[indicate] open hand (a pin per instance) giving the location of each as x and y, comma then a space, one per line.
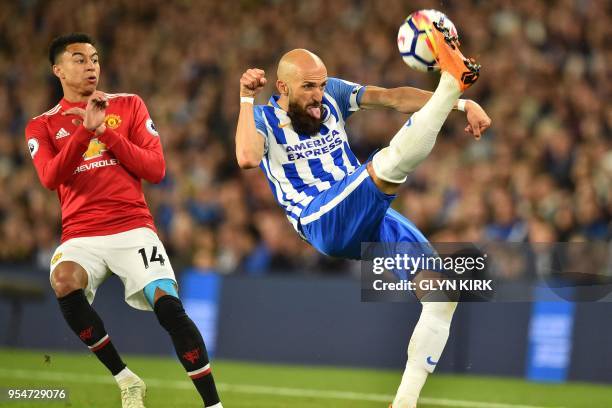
92, 117
478, 120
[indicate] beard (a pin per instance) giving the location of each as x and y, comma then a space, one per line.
301, 120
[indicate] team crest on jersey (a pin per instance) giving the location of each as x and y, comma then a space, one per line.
33, 146
56, 258
112, 121
95, 149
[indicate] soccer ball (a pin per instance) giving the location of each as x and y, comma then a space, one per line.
415, 38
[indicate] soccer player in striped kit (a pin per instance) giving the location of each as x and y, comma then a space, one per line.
334, 202
94, 148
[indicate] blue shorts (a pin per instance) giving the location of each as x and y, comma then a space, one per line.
354, 211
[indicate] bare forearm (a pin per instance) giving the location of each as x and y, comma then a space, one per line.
407, 99
403, 99
249, 145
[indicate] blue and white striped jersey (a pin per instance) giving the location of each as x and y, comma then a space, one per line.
299, 167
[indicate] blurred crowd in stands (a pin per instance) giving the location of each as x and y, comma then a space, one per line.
542, 173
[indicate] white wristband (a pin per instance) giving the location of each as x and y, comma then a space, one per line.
461, 104
247, 99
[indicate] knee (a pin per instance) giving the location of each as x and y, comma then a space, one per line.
68, 277
168, 308
170, 313
158, 288
385, 186
439, 312
385, 165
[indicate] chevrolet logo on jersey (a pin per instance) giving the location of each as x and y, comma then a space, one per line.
95, 149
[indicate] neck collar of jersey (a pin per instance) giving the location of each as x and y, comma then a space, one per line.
274, 102
67, 104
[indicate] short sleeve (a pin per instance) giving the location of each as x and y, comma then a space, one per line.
260, 124
346, 94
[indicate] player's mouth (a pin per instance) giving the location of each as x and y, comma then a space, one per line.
92, 79
314, 110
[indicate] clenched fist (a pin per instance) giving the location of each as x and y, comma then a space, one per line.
252, 81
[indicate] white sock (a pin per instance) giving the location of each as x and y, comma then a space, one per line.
217, 405
123, 374
415, 140
426, 344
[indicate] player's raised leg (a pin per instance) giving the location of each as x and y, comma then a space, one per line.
391, 165
415, 140
188, 342
69, 281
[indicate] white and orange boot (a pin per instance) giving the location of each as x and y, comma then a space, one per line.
445, 48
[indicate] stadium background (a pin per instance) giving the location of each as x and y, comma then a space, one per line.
542, 173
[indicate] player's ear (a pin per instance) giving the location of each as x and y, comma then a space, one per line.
57, 71
282, 87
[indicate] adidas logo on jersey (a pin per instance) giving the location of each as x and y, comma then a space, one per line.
62, 133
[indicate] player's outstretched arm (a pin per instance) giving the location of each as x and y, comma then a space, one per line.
404, 99
409, 100
249, 145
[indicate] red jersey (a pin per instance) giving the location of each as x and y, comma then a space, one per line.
97, 178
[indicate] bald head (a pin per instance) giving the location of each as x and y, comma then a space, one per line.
301, 80
298, 64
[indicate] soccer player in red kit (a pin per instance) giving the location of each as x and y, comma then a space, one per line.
94, 148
